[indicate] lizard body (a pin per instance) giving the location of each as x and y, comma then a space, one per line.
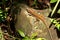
31, 11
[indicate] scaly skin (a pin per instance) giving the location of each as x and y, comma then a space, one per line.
41, 16
33, 12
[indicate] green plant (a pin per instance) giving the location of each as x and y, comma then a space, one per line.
3, 11
3, 14
21, 33
1, 34
53, 1
56, 23
35, 2
29, 38
58, 11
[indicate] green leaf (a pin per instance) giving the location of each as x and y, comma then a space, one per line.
58, 26
26, 38
34, 35
35, 2
1, 15
40, 39
51, 20
53, 1
21, 33
55, 21
58, 0
58, 11
1, 11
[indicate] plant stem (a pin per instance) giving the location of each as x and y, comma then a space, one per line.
1, 34
55, 8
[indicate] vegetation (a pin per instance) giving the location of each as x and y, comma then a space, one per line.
57, 24
6, 17
29, 38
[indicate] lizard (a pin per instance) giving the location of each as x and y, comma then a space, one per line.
41, 16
